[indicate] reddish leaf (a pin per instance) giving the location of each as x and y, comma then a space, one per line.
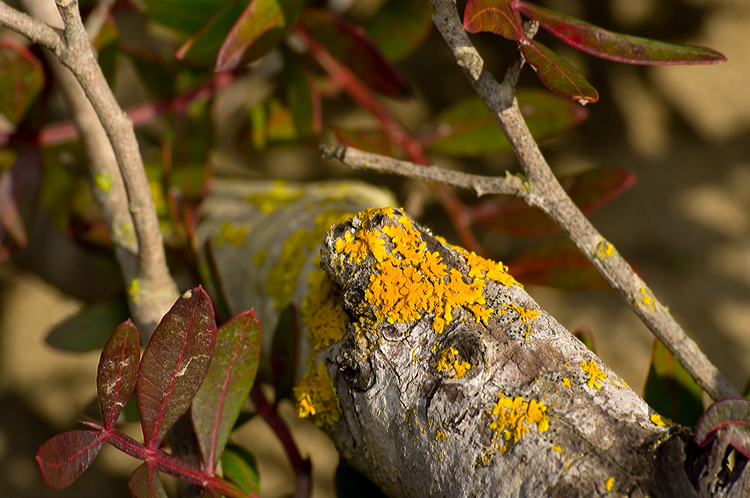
174, 364
558, 264
557, 74
145, 483
731, 413
374, 141
284, 350
301, 95
21, 80
203, 47
227, 385
118, 368
589, 190
468, 129
239, 467
615, 46
670, 390
349, 44
495, 16
262, 25
66, 456
399, 27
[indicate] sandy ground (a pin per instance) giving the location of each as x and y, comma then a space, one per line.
684, 131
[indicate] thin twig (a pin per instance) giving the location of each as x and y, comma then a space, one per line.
151, 289
546, 193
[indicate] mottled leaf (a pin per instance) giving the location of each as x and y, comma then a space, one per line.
145, 483
66, 456
670, 390
284, 350
558, 264
589, 190
185, 15
468, 129
21, 80
301, 95
495, 16
615, 46
227, 385
240, 468
730, 414
399, 27
584, 334
174, 364
350, 483
260, 27
90, 328
349, 44
202, 48
375, 141
557, 74
117, 372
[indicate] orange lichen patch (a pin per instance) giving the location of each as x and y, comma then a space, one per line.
323, 314
660, 421
410, 281
450, 364
440, 435
316, 396
513, 417
595, 374
524, 314
610, 482
485, 268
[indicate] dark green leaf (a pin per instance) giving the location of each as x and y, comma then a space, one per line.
615, 46
118, 368
557, 74
495, 16
66, 456
202, 48
284, 350
733, 415
155, 73
468, 129
21, 80
227, 385
351, 484
349, 44
145, 483
260, 27
558, 264
399, 27
89, 329
174, 364
240, 468
185, 15
303, 100
670, 390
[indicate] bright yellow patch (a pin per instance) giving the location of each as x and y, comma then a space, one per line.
324, 316
647, 301
103, 181
440, 435
134, 290
279, 195
230, 234
558, 449
513, 417
604, 250
610, 482
566, 382
316, 397
481, 268
595, 374
660, 421
449, 363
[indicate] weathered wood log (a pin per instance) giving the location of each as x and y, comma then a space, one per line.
436, 374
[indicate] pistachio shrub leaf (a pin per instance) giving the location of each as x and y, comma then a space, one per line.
66, 456
145, 483
239, 467
117, 372
399, 27
21, 80
733, 415
557, 74
495, 16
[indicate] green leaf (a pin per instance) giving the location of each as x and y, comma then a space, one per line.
399, 27
280, 123
156, 74
184, 15
303, 100
89, 329
584, 334
670, 390
227, 385
558, 264
260, 27
118, 368
731, 415
203, 48
145, 482
615, 46
350, 483
239, 467
284, 350
468, 129
349, 44
21, 80
557, 74
495, 16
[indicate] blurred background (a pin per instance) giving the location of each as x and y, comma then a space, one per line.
683, 131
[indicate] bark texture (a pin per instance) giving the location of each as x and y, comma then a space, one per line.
436, 374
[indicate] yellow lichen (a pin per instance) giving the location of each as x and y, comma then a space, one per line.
659, 420
524, 314
282, 280
279, 195
513, 417
647, 301
260, 258
134, 290
230, 234
316, 396
566, 382
324, 316
103, 181
481, 267
450, 363
604, 250
595, 374
558, 448
610, 482
440, 435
